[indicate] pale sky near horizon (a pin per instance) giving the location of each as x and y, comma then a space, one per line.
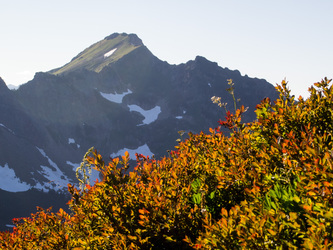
272, 40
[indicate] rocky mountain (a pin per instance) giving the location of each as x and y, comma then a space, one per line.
116, 96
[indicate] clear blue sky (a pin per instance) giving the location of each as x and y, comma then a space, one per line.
264, 39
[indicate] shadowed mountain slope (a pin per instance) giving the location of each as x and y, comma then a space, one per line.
116, 96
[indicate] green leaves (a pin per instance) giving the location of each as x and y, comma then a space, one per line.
196, 197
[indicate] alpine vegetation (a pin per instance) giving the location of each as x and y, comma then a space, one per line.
265, 184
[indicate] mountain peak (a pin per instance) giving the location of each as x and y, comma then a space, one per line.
99, 55
133, 38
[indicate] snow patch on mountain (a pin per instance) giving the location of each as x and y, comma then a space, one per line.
57, 180
11, 131
53, 164
117, 98
109, 53
149, 115
144, 150
72, 141
74, 165
10, 182
41, 187
94, 173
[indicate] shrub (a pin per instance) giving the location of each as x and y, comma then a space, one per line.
266, 185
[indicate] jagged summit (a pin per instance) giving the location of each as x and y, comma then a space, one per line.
102, 53
134, 39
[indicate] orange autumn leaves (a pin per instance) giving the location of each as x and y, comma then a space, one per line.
267, 185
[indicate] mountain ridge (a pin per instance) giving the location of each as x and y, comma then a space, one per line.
127, 101
102, 53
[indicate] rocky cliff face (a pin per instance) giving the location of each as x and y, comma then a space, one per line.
3, 86
116, 96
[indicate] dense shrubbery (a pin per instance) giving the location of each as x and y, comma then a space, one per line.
266, 185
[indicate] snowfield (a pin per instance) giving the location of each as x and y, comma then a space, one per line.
109, 53
74, 165
57, 179
10, 182
72, 141
117, 98
149, 115
144, 149
11, 131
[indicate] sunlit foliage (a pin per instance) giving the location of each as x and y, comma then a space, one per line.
267, 185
